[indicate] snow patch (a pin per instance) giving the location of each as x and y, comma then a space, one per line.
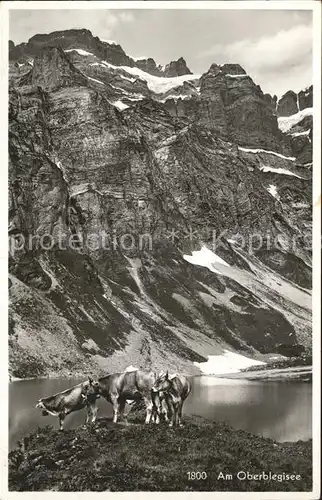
120, 105
272, 189
62, 169
131, 369
285, 123
175, 97
229, 362
206, 258
279, 171
81, 52
247, 150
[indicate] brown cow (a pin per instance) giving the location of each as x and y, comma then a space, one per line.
73, 399
117, 388
175, 391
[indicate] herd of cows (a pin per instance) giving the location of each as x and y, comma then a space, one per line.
163, 396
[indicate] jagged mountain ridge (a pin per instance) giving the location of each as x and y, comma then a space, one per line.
150, 169
105, 50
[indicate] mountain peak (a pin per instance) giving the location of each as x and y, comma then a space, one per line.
106, 50
52, 69
291, 102
177, 68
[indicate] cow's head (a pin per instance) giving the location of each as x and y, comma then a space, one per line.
90, 391
162, 383
42, 407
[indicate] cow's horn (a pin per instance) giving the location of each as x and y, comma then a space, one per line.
90, 380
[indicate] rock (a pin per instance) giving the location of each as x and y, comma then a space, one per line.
306, 98
176, 68
287, 105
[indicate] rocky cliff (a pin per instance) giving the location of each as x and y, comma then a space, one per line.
122, 175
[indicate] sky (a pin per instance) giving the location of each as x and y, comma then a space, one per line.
273, 46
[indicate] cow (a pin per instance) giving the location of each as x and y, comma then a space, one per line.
117, 388
68, 401
175, 391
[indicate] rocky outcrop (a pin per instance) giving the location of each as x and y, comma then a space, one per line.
290, 103
232, 106
306, 98
121, 198
176, 68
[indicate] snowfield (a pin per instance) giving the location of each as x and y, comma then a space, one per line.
158, 84
285, 123
229, 362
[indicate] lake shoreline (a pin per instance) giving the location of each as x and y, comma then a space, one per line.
136, 457
251, 373
288, 374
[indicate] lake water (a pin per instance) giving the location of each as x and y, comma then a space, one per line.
280, 410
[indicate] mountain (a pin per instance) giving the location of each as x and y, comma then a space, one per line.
175, 209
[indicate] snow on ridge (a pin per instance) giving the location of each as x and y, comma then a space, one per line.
175, 97
284, 171
236, 76
126, 78
142, 58
139, 97
205, 258
111, 42
158, 84
81, 52
248, 150
285, 123
94, 80
227, 362
297, 134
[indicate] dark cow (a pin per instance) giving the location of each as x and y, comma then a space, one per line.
175, 391
68, 401
117, 388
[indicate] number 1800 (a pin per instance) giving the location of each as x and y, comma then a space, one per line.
196, 475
